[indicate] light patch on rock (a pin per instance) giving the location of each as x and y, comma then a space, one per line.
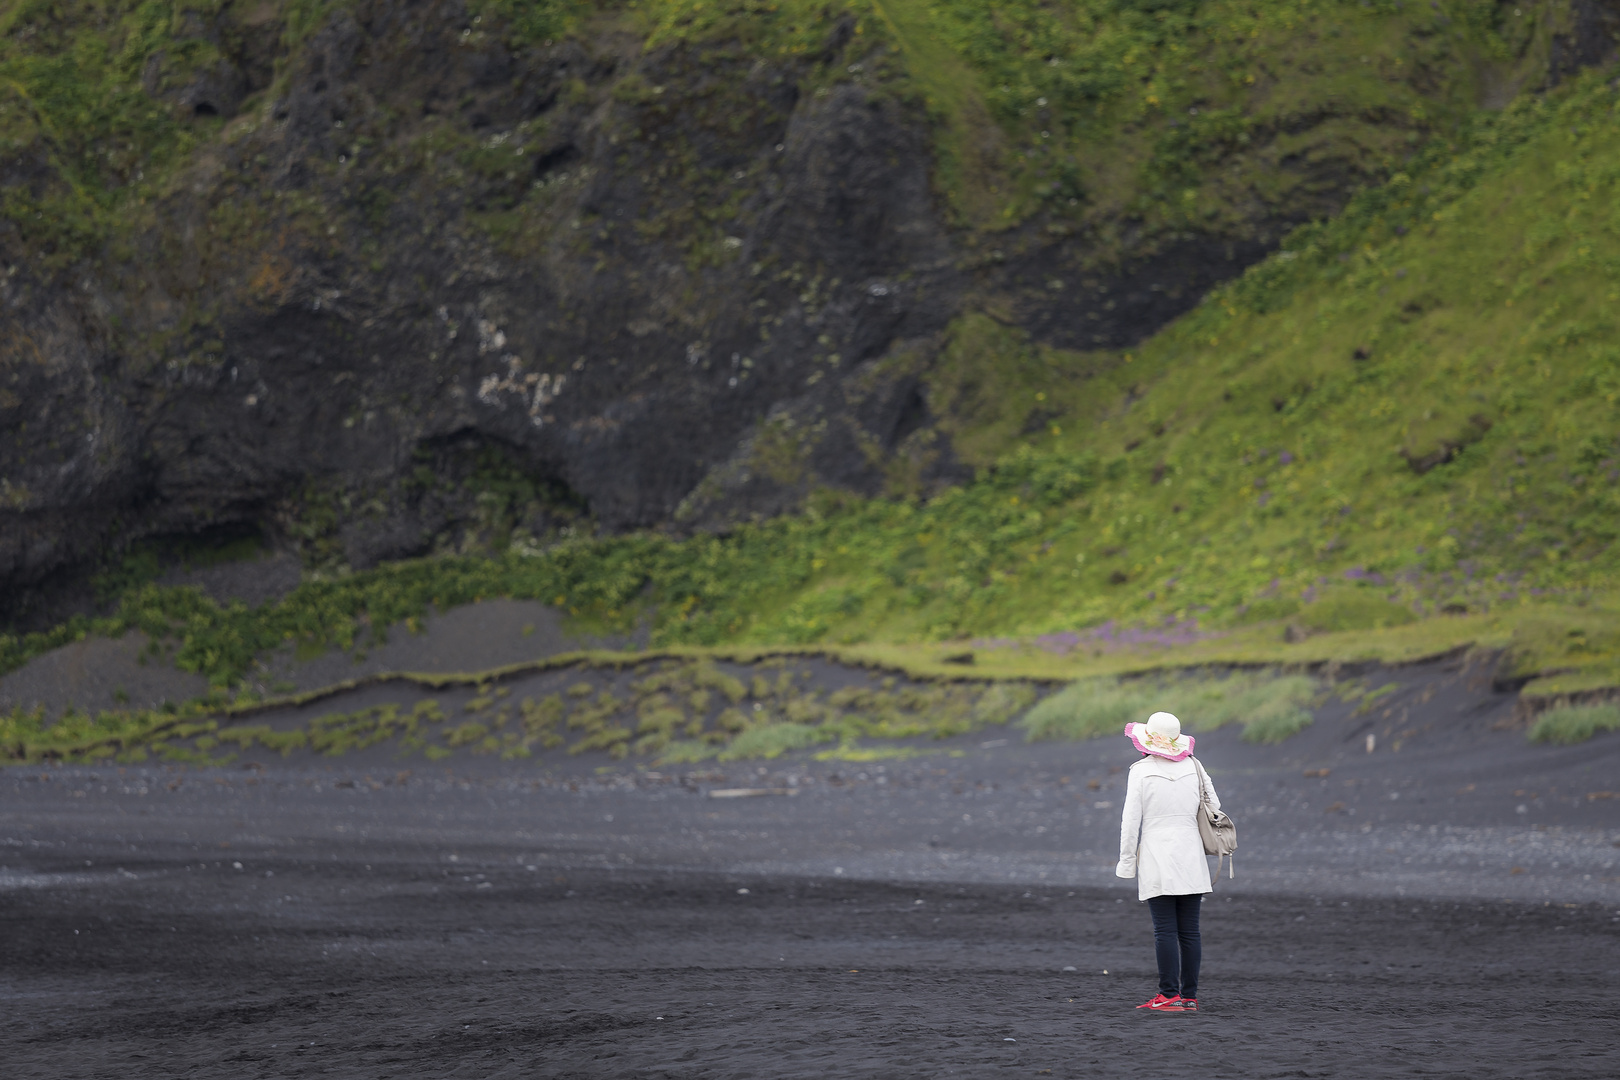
534, 390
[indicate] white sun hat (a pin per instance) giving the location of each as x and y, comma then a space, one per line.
1161, 736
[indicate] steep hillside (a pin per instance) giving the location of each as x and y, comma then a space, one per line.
1405, 422
385, 278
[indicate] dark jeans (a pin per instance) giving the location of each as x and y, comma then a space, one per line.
1176, 943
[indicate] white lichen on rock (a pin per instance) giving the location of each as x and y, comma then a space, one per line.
533, 390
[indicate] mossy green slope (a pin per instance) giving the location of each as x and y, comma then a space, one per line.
1424, 389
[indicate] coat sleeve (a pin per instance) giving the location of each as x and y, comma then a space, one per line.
1130, 827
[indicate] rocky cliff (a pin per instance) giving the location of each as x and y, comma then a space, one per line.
411, 279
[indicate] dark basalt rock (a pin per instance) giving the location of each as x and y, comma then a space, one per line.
1593, 38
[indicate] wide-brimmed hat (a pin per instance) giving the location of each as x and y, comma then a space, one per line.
1161, 736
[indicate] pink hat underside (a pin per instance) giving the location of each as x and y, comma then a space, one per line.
1130, 732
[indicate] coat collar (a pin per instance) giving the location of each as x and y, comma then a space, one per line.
1158, 766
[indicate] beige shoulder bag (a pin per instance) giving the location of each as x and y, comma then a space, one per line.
1215, 828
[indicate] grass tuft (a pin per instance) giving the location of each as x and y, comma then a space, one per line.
1575, 723
773, 740
1270, 707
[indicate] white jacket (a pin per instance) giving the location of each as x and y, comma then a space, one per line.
1159, 844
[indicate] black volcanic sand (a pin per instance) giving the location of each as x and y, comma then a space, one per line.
98, 673
1453, 800
407, 967
1446, 905
901, 919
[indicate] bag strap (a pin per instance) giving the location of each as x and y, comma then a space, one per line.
1203, 798
1203, 804
1231, 862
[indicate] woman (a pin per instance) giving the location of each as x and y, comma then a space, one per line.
1160, 847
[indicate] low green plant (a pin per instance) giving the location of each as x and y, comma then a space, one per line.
1569, 724
465, 734
1271, 707
687, 752
864, 754
540, 722
773, 739
1368, 698
337, 733
599, 723
246, 736
1088, 709
1269, 710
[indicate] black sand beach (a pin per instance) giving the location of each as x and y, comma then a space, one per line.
908, 918
1445, 903
408, 970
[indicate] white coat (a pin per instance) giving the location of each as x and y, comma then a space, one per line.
1158, 835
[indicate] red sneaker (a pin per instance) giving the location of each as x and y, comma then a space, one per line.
1160, 1003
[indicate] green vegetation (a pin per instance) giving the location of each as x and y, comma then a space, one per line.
135, 735
1180, 113
72, 96
674, 709
531, 22
1575, 723
1270, 706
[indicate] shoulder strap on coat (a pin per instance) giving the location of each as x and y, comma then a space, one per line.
1203, 797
